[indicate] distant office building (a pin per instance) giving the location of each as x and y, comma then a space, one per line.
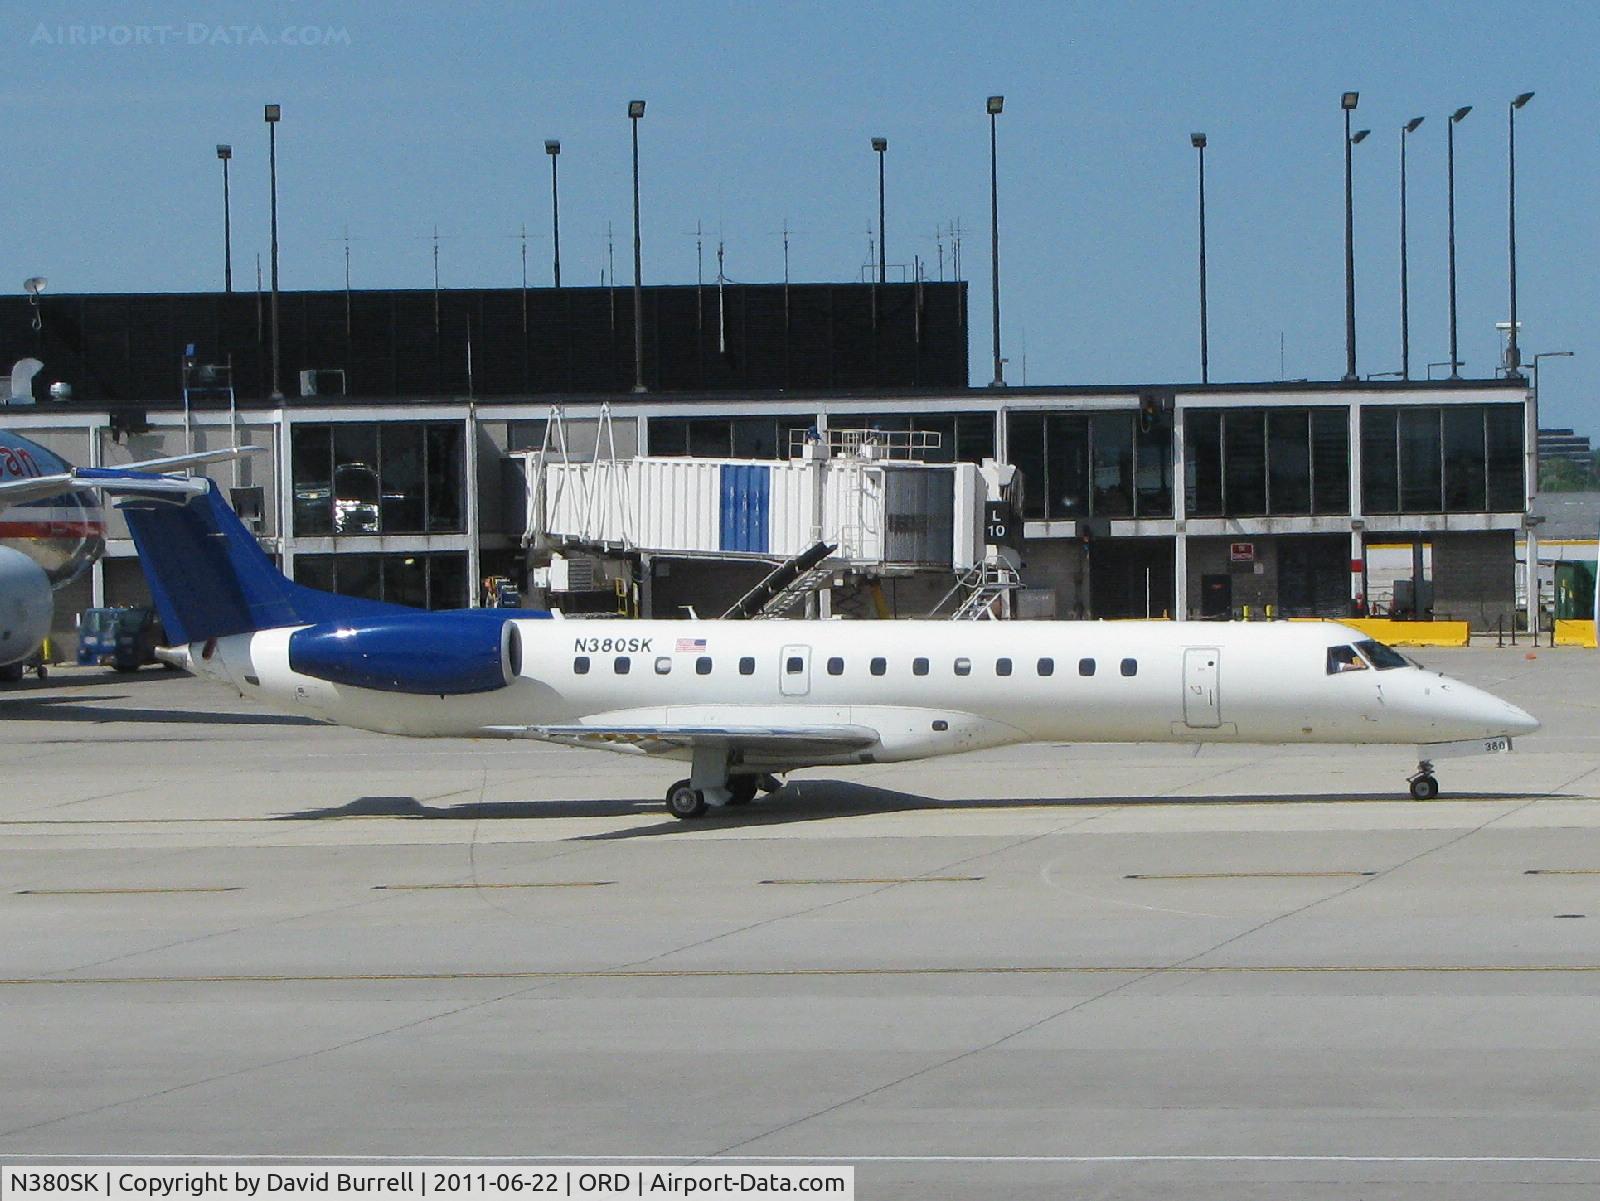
1557, 444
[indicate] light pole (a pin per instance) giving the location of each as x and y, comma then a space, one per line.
1513, 355
553, 148
1348, 103
1450, 191
635, 112
273, 112
1198, 141
994, 105
1544, 354
225, 153
881, 145
1406, 130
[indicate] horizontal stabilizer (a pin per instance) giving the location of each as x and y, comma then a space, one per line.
143, 478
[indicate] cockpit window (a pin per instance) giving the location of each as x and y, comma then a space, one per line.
1382, 657
1344, 658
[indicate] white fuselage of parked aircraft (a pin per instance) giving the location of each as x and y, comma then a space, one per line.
737, 699
52, 528
46, 542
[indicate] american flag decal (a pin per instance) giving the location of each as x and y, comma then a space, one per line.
691, 644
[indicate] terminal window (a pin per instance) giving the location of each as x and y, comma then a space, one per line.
1257, 462
1442, 458
372, 478
725, 437
1077, 465
422, 581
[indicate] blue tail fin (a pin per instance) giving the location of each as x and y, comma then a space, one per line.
209, 577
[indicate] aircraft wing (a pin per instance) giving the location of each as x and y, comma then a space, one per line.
141, 478
662, 739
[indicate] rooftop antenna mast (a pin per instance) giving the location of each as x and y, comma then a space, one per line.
524, 277
347, 280
722, 309
436, 279
33, 285
699, 277
611, 276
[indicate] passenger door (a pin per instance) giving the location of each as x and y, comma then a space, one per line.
794, 671
1202, 699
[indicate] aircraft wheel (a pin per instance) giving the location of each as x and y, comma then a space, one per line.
1424, 788
42, 672
684, 802
743, 789
11, 673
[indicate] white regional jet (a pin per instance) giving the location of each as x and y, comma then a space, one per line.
52, 528
741, 700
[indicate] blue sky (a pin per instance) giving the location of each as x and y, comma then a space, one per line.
411, 117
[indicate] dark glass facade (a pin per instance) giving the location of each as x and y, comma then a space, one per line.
1258, 462
726, 437
1442, 459
423, 581
1077, 465
962, 437
363, 478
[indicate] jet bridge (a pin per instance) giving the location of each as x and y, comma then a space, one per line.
883, 516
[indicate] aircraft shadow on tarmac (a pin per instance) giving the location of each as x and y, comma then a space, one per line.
803, 801
411, 807
92, 678
71, 708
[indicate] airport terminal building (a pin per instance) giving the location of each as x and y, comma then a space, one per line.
425, 443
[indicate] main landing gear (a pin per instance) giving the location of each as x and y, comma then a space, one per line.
710, 785
1423, 786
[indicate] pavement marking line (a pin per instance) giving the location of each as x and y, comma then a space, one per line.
117, 892
1248, 875
476, 887
807, 972
882, 880
1562, 871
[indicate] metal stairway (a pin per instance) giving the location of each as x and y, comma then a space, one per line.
986, 584
786, 586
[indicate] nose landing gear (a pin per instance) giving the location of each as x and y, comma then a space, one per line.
1423, 786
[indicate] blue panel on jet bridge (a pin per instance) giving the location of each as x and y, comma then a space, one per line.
746, 493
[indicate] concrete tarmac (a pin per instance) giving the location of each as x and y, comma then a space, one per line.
1053, 971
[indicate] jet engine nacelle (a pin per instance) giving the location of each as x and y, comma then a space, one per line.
26, 606
429, 654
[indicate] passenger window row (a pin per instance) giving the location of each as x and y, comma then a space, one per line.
878, 666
